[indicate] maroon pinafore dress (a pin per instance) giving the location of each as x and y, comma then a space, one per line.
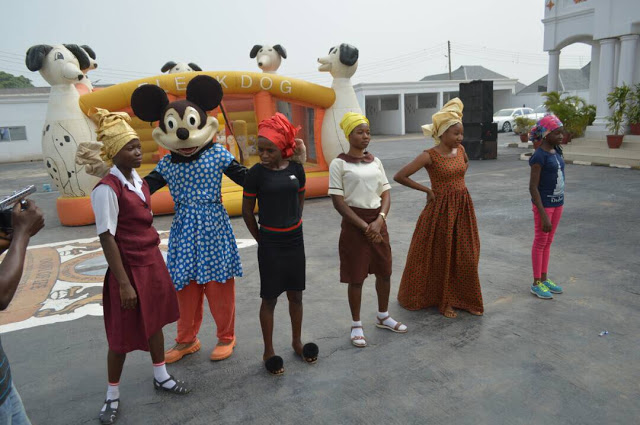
138, 240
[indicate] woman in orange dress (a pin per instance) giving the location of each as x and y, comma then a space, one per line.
442, 264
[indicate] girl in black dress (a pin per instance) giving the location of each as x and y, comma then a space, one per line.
279, 186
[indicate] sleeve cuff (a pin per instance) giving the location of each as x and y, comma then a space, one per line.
336, 191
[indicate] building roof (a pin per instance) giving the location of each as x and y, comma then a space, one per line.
570, 80
467, 72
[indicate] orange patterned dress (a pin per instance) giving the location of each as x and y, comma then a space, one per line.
442, 264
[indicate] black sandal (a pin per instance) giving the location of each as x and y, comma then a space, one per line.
275, 365
310, 353
110, 414
178, 388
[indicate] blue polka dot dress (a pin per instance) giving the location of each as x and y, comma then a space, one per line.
202, 246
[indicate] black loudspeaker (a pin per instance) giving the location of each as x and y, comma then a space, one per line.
490, 149
486, 131
473, 148
477, 97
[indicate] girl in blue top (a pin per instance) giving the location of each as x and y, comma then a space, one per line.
547, 196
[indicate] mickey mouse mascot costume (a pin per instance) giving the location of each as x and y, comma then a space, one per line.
203, 257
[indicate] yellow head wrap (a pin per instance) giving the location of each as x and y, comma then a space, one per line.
449, 115
351, 120
113, 131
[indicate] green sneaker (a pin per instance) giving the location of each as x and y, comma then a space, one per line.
555, 289
541, 291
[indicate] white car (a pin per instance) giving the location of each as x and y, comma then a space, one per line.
538, 113
505, 118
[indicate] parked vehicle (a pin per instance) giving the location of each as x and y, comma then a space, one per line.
505, 118
538, 113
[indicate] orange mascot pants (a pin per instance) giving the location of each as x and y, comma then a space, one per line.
222, 304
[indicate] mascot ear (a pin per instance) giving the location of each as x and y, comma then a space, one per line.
194, 67
148, 102
89, 51
205, 92
167, 66
35, 56
348, 54
81, 55
281, 51
254, 51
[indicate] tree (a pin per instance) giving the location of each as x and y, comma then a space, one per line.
8, 81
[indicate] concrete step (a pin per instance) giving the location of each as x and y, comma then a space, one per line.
604, 152
628, 143
601, 160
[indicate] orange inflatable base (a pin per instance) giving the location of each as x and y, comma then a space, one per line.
78, 211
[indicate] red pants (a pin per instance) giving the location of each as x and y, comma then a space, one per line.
541, 249
222, 304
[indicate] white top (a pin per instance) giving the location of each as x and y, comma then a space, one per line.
361, 184
105, 202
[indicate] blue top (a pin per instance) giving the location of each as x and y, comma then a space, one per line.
202, 246
5, 376
551, 186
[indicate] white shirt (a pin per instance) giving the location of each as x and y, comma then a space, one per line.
361, 184
105, 202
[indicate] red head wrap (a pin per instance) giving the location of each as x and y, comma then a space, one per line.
279, 130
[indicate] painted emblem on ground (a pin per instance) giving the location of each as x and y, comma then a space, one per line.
62, 282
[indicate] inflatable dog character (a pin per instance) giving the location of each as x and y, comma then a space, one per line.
341, 63
65, 125
93, 64
268, 57
175, 68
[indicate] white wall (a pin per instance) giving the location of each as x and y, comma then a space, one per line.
415, 118
30, 114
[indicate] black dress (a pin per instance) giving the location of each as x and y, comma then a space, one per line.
281, 257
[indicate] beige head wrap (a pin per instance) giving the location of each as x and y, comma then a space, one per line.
449, 115
113, 131
351, 120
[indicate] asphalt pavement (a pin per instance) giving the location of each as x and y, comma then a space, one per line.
526, 361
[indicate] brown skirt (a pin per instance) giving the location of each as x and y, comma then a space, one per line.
359, 257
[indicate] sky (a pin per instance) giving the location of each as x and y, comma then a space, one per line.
398, 41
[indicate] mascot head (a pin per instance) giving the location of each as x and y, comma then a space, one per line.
184, 127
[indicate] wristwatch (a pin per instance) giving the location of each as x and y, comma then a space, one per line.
383, 215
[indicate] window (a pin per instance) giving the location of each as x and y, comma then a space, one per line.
517, 113
389, 103
13, 134
427, 100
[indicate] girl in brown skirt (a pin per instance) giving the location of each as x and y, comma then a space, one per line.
442, 264
360, 193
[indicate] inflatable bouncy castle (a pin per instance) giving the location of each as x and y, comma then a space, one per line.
249, 97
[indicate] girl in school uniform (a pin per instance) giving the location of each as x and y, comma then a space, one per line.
278, 184
359, 190
138, 295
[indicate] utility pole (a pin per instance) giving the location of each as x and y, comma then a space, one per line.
449, 56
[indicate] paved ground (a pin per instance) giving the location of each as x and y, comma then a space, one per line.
526, 361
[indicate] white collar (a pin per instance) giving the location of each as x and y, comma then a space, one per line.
137, 181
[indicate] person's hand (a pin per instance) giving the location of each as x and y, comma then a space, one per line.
27, 221
128, 297
431, 197
373, 230
546, 223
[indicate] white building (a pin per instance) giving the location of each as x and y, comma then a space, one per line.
22, 115
612, 29
400, 108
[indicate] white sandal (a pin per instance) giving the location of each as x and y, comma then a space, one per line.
358, 340
396, 328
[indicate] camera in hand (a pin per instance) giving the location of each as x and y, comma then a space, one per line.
6, 207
